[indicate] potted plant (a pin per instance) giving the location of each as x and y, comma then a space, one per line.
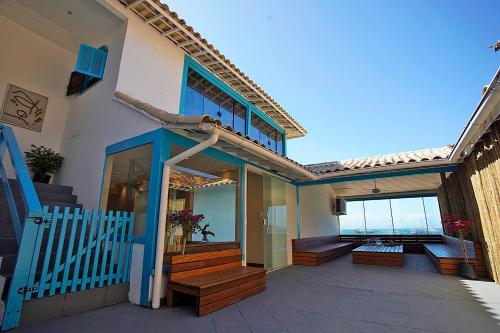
461, 228
43, 161
205, 233
189, 223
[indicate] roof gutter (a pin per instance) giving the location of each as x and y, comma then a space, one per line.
256, 149
487, 111
205, 124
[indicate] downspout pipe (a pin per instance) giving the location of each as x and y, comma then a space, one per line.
162, 216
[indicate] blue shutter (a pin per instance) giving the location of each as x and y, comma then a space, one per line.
91, 61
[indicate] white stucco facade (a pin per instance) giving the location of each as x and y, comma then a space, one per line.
316, 216
39, 65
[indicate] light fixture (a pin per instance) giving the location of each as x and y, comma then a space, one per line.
375, 190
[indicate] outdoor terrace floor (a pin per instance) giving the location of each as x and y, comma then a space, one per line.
335, 297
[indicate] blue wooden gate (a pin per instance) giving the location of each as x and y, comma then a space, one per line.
61, 250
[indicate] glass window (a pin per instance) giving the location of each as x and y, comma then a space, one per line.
265, 134
126, 184
279, 143
354, 222
194, 94
378, 217
206, 186
409, 217
203, 97
433, 215
211, 101
240, 115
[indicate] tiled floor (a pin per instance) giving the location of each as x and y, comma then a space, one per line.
335, 297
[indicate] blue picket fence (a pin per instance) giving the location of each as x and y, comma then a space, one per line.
80, 250
61, 250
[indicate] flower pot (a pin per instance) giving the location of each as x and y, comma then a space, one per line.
41, 178
467, 271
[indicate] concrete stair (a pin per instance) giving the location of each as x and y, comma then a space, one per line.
48, 194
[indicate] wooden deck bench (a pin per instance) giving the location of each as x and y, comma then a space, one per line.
315, 251
217, 279
378, 255
448, 256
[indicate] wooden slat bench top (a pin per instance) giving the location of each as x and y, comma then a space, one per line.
216, 278
315, 251
211, 279
326, 247
379, 249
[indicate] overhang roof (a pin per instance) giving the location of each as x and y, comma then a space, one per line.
169, 25
199, 128
410, 159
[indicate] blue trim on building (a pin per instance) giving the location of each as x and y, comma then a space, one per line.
399, 196
157, 138
297, 209
250, 108
162, 139
387, 174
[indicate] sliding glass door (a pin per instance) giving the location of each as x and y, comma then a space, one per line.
274, 222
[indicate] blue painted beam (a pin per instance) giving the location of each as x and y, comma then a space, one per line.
395, 196
378, 175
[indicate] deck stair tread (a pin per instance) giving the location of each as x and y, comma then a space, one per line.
214, 278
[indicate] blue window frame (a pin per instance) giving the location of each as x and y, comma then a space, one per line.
204, 94
161, 141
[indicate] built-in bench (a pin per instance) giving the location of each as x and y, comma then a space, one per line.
448, 255
315, 251
411, 243
216, 279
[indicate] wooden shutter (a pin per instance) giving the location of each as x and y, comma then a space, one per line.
91, 61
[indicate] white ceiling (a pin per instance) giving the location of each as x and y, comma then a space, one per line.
403, 184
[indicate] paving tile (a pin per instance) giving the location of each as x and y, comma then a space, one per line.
335, 297
389, 318
259, 318
293, 320
389, 306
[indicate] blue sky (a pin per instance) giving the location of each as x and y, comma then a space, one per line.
363, 77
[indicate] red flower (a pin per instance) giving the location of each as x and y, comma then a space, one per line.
454, 224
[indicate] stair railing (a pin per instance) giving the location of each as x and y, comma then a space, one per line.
25, 233
30, 199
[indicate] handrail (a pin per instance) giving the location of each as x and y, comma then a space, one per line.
31, 202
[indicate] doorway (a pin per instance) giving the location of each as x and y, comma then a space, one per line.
266, 221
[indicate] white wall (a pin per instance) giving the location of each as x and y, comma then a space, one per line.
34, 63
141, 64
151, 66
96, 121
315, 210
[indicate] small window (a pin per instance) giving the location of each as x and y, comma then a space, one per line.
89, 69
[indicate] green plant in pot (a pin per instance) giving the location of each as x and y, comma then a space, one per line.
43, 161
461, 227
205, 233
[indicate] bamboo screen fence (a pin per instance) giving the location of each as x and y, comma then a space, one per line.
474, 192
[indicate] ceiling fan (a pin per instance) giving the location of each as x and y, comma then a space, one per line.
374, 189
